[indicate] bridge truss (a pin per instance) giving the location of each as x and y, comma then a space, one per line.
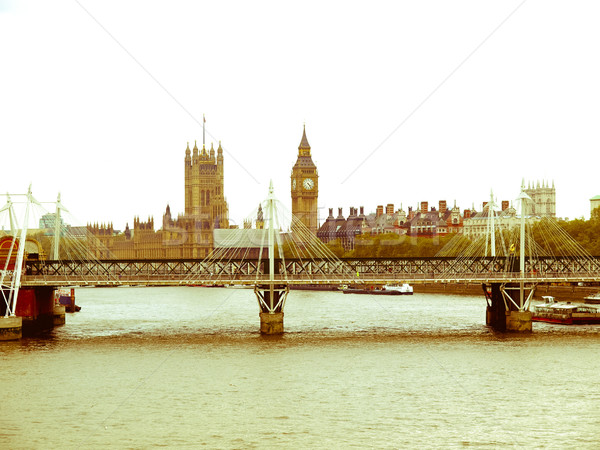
298, 271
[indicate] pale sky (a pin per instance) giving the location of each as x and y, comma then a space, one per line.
403, 101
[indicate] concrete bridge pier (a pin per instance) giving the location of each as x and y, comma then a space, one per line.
503, 313
58, 315
11, 328
271, 299
35, 312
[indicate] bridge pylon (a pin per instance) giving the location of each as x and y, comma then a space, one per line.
508, 303
271, 295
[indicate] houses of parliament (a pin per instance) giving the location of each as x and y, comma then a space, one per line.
191, 235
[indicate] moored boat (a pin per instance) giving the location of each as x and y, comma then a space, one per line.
388, 289
66, 298
565, 312
593, 299
404, 288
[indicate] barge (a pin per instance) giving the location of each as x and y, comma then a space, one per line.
388, 289
566, 313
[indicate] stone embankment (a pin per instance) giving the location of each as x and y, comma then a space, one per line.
561, 293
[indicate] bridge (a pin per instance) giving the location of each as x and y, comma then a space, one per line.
379, 271
509, 266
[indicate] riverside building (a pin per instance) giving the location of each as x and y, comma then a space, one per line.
189, 235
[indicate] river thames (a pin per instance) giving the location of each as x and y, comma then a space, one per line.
187, 368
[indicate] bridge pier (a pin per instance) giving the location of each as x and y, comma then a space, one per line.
35, 311
58, 315
271, 299
502, 312
11, 328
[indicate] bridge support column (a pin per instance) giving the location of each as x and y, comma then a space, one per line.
271, 299
59, 315
502, 312
518, 321
35, 307
11, 328
271, 323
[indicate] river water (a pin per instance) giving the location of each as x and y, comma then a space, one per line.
187, 368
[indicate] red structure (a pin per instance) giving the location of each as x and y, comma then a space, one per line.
5, 250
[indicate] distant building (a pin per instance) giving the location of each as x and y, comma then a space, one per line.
423, 223
594, 205
305, 187
344, 229
49, 221
189, 235
476, 225
434, 222
544, 199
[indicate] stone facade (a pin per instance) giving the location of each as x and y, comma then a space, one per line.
594, 205
305, 187
544, 199
189, 235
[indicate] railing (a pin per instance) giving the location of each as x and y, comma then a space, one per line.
383, 270
181, 280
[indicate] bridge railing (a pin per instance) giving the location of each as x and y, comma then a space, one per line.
384, 278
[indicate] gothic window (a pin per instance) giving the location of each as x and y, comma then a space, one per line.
202, 198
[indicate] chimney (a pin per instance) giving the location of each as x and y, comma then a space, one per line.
505, 205
484, 205
379, 210
443, 206
424, 207
362, 210
389, 209
467, 214
340, 215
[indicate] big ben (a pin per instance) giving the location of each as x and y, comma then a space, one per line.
305, 186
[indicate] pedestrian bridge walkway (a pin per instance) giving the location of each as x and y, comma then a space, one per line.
298, 271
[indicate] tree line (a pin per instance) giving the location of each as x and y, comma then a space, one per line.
586, 233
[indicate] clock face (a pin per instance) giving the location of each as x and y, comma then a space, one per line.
293, 184
308, 184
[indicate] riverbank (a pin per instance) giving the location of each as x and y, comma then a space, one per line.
561, 293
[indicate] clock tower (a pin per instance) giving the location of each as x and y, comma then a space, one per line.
305, 187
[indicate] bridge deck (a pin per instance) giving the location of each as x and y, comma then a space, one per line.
251, 272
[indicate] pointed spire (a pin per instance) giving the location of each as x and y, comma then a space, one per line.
188, 158
304, 142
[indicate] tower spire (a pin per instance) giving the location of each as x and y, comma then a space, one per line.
304, 145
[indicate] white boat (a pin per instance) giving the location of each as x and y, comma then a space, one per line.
388, 289
564, 312
404, 288
594, 299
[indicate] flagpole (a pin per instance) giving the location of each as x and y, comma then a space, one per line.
203, 133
